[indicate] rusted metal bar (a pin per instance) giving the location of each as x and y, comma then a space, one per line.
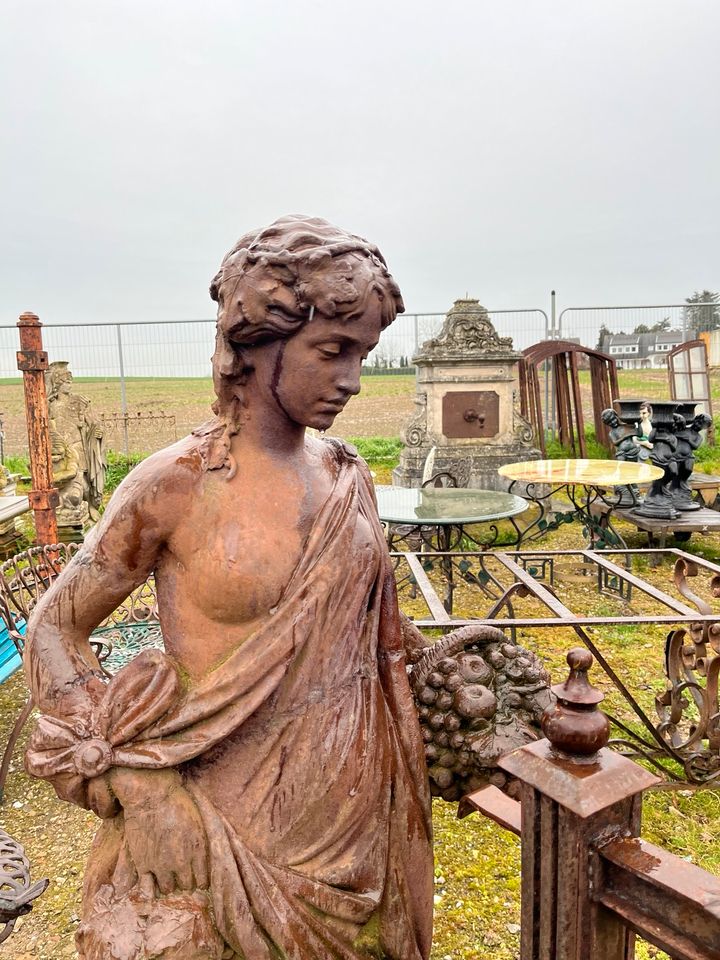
641, 585
562, 399
577, 403
561, 614
496, 805
435, 604
589, 884
537, 588
574, 792
32, 360
666, 900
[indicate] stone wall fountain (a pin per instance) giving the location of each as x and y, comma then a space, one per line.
468, 404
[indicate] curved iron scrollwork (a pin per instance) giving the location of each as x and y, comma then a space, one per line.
17, 894
688, 710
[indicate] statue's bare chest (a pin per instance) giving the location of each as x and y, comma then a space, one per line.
238, 545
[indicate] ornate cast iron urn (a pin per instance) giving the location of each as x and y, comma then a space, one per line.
665, 433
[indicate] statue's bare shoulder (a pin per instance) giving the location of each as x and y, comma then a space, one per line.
151, 500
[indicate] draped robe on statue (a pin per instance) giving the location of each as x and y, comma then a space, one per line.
302, 751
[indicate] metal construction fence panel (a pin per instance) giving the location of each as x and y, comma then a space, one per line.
135, 358
587, 323
407, 334
169, 349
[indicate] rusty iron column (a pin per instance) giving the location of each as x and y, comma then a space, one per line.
33, 362
575, 795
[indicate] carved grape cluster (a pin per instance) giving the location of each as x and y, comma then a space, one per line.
479, 695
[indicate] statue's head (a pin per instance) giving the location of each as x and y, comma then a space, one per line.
58, 379
275, 280
646, 410
278, 287
702, 421
610, 417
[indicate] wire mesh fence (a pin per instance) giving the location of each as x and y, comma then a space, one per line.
589, 324
407, 334
152, 383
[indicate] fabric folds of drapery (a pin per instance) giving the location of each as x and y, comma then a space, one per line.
326, 849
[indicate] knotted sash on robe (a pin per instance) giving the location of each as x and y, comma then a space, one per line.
266, 903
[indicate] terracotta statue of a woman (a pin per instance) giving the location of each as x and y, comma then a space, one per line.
261, 781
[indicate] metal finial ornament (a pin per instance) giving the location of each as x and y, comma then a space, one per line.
574, 725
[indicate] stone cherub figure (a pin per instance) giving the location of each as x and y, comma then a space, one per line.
261, 781
73, 421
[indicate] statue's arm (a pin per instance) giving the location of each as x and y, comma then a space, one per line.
118, 555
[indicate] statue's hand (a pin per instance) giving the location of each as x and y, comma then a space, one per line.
163, 829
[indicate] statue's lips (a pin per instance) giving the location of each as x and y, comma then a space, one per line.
334, 406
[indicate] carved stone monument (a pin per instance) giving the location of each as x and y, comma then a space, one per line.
78, 456
468, 407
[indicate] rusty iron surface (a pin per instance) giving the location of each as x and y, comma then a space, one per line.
493, 803
563, 358
277, 651
33, 361
668, 901
589, 884
584, 789
467, 414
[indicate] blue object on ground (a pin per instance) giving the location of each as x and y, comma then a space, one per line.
10, 659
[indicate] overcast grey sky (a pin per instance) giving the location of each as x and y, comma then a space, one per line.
500, 148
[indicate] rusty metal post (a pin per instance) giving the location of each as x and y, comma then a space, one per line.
575, 795
33, 362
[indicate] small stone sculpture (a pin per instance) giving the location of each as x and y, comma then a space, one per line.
261, 782
72, 510
74, 425
645, 433
657, 443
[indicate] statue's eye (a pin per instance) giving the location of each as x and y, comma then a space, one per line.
329, 349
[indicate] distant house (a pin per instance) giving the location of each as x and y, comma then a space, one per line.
640, 351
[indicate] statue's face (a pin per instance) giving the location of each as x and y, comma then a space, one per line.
65, 385
312, 375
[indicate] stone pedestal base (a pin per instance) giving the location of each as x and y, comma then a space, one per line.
474, 466
657, 508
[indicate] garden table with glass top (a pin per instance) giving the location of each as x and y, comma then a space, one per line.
438, 520
593, 487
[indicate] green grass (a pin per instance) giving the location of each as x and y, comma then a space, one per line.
378, 449
18, 465
118, 468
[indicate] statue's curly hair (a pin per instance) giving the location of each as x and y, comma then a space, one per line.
269, 285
